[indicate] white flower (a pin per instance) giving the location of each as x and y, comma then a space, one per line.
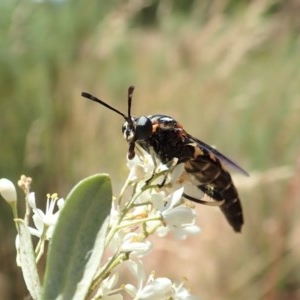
132, 244
168, 203
179, 233
161, 288
8, 190
151, 208
178, 216
142, 168
182, 293
156, 288
178, 219
45, 222
150, 289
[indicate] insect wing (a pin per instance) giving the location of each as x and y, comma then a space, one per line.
220, 156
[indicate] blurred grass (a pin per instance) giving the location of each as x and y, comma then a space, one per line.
228, 70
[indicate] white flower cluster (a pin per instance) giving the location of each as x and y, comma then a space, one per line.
149, 203
162, 204
152, 208
44, 222
147, 287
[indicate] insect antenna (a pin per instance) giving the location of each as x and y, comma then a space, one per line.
127, 118
131, 152
93, 98
130, 93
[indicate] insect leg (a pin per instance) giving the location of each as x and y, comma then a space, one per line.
200, 201
171, 166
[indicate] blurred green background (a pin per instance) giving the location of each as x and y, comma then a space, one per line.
228, 70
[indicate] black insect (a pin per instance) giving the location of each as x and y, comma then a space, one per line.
166, 139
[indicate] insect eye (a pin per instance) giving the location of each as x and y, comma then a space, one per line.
143, 128
123, 128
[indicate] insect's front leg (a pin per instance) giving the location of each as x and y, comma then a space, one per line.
154, 159
170, 167
156, 163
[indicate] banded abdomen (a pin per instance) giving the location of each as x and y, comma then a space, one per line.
215, 181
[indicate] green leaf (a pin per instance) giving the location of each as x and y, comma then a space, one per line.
77, 244
27, 260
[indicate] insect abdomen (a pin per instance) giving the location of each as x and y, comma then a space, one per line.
216, 182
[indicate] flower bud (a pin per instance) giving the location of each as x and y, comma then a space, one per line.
8, 191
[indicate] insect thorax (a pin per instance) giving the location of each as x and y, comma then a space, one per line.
168, 140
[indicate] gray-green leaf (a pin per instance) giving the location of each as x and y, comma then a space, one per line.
78, 243
27, 260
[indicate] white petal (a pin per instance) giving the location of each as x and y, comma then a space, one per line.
136, 267
31, 200
60, 203
144, 197
133, 162
34, 231
132, 244
182, 233
137, 248
182, 293
192, 229
38, 223
106, 286
49, 233
159, 200
50, 208
176, 197
111, 281
8, 190
50, 219
177, 172
130, 289
162, 231
159, 288
137, 173
178, 216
